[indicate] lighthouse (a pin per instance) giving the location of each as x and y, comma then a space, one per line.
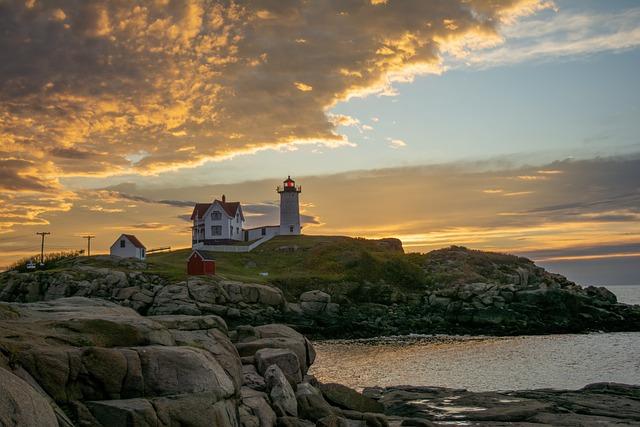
289, 207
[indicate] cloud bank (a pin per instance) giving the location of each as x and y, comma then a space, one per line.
109, 87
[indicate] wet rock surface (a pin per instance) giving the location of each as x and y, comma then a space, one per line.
88, 362
596, 404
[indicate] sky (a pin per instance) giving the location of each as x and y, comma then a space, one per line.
510, 126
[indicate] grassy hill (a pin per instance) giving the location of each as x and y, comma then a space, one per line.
336, 264
359, 269
286, 257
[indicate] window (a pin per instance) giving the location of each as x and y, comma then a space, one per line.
237, 230
216, 230
264, 231
122, 243
230, 230
216, 215
142, 253
291, 229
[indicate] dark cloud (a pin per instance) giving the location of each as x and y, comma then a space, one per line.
110, 87
158, 84
149, 226
21, 175
142, 199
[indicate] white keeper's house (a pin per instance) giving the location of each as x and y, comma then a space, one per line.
219, 225
128, 246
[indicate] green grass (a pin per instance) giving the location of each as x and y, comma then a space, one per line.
323, 258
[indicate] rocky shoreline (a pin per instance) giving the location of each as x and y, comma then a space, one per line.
530, 302
115, 345
88, 362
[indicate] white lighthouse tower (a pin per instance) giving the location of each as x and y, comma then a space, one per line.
289, 207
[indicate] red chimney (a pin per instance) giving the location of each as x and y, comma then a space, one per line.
224, 199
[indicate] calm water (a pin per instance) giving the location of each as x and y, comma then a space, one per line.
486, 363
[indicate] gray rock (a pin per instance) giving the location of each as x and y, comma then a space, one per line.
130, 412
311, 403
216, 343
313, 303
283, 399
191, 323
175, 370
22, 405
347, 398
258, 406
252, 379
293, 422
291, 339
285, 359
336, 421
196, 410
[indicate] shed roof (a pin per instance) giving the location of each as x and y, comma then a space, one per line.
134, 240
205, 255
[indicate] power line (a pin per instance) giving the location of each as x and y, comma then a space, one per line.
89, 237
42, 233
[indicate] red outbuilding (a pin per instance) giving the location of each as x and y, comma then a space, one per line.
201, 263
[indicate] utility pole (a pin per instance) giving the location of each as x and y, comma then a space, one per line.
88, 237
42, 233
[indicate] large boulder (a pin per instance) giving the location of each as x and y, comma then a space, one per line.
192, 323
22, 405
347, 398
257, 405
283, 398
252, 379
109, 366
314, 303
178, 370
311, 404
129, 412
218, 344
252, 339
286, 360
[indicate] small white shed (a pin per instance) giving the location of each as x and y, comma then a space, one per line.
128, 246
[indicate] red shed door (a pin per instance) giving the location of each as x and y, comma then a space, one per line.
209, 267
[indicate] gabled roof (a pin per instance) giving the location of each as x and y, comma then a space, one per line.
231, 208
199, 210
205, 255
134, 240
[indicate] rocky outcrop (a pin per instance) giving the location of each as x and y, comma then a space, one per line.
107, 365
147, 293
596, 404
22, 405
80, 361
479, 293
553, 305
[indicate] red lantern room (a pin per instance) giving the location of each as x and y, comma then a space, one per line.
289, 185
289, 182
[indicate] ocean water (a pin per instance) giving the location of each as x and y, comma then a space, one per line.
485, 363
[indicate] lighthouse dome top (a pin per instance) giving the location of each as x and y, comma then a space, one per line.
289, 182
